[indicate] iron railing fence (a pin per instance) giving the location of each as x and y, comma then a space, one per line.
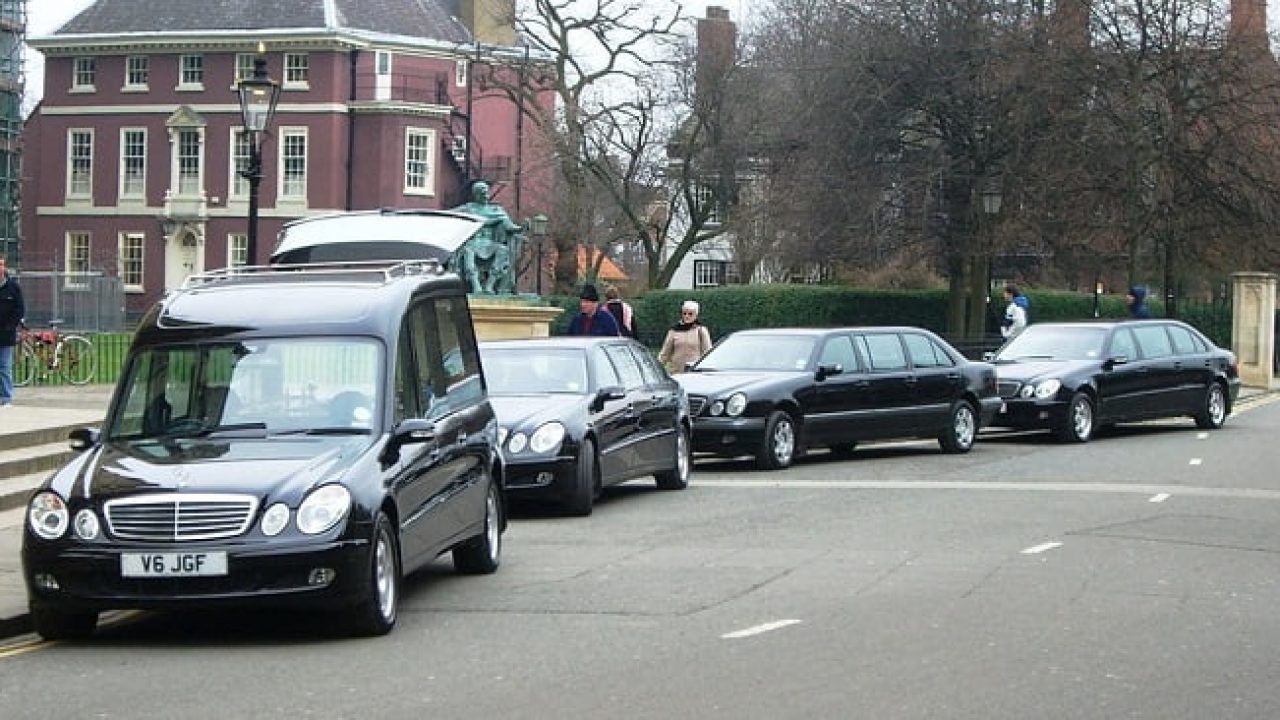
83, 302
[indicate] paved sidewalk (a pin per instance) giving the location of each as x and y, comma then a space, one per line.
63, 406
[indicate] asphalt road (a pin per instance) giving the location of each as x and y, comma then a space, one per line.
1132, 577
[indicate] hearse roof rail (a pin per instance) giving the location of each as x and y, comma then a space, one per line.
374, 271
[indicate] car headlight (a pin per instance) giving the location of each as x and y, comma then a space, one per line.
517, 442
1048, 388
1027, 391
547, 437
736, 403
274, 519
717, 407
47, 515
323, 509
87, 525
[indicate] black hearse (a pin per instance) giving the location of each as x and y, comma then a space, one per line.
307, 434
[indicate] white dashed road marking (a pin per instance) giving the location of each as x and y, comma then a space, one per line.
758, 629
1159, 498
1202, 436
1042, 547
1196, 461
1103, 488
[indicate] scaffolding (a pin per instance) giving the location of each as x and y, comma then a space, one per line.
13, 32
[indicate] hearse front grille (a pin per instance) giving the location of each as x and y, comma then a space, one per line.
179, 517
696, 403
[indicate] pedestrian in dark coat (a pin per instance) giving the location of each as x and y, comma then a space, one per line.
12, 311
1137, 302
590, 320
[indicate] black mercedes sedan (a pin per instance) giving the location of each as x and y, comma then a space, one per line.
774, 393
577, 414
1073, 377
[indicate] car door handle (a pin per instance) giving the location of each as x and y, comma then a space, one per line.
909, 381
953, 376
1177, 366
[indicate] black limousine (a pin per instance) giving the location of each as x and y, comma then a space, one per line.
774, 393
1072, 377
578, 414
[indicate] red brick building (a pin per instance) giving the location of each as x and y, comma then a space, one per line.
132, 157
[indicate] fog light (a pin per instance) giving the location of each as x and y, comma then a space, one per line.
544, 478
321, 576
86, 525
728, 439
45, 581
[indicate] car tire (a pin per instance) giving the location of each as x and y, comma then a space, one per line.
586, 479
376, 613
961, 430
778, 446
1078, 423
482, 554
1213, 409
52, 624
677, 478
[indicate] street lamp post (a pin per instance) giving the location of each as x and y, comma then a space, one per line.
980, 282
258, 96
538, 228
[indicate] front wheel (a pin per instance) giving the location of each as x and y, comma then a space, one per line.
1077, 425
1213, 409
778, 447
961, 430
53, 624
376, 613
481, 554
78, 361
24, 365
585, 481
677, 478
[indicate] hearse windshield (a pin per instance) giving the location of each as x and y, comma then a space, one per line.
268, 386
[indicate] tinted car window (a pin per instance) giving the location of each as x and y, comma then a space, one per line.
884, 351
1122, 344
653, 374
1153, 340
406, 399
838, 350
1184, 343
602, 370
924, 352
625, 363
458, 352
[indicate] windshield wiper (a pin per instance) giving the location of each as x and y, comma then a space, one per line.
324, 431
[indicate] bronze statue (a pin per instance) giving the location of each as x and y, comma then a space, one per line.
487, 260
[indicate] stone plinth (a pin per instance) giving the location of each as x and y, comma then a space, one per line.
1253, 337
510, 318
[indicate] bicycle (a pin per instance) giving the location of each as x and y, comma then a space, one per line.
46, 352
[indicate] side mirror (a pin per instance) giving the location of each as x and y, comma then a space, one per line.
826, 371
605, 394
410, 431
82, 439
1115, 360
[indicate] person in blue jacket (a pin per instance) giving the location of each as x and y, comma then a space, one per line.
1137, 302
590, 320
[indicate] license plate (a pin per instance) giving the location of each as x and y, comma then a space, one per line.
168, 565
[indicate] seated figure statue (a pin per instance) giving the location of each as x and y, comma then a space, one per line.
487, 260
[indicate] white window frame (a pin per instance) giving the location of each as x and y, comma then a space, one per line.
460, 71
85, 191
427, 139
176, 188
132, 248
704, 194
74, 265
707, 273
238, 187
84, 74
285, 135
133, 83
237, 249
297, 71
125, 192
193, 80
243, 69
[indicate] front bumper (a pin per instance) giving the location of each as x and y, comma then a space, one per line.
89, 576
554, 478
1029, 413
728, 435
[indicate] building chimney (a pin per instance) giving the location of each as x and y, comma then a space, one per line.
717, 49
1249, 21
492, 22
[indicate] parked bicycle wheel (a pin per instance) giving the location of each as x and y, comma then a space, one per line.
78, 361
24, 365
